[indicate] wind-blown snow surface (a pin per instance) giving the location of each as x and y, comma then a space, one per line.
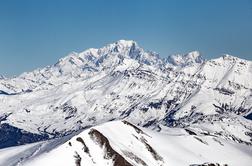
123, 81
139, 147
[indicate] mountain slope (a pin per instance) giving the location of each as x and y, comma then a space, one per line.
123, 81
121, 143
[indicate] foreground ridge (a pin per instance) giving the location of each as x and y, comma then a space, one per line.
120, 143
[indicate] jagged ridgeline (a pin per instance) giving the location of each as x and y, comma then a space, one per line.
123, 81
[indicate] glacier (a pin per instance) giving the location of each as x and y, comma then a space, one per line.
121, 81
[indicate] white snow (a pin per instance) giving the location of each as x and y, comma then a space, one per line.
123, 81
175, 146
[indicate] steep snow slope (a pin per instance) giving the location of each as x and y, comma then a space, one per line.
122, 81
120, 143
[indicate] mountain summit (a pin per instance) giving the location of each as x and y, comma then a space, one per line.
187, 59
209, 100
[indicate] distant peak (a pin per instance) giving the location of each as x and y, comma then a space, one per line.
186, 59
229, 57
193, 55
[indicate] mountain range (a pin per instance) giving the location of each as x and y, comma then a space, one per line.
121, 105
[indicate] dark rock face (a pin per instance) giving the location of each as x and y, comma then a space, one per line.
4, 117
208, 164
3, 93
110, 153
249, 116
190, 132
85, 148
225, 108
156, 105
153, 152
225, 91
13, 136
139, 131
134, 157
77, 159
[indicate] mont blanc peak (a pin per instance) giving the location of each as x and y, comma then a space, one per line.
120, 46
116, 52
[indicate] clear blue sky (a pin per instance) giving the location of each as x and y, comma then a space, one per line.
36, 33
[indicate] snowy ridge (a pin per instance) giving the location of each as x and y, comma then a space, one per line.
121, 143
185, 60
123, 81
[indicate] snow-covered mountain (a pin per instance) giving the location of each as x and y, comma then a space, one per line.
121, 143
122, 81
